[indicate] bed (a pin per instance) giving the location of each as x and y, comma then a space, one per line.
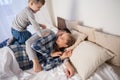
93, 57
13, 72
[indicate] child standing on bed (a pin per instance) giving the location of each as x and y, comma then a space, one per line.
19, 28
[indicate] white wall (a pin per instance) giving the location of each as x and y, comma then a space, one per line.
103, 14
62, 8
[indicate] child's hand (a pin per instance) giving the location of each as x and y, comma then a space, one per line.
45, 32
43, 26
66, 54
55, 54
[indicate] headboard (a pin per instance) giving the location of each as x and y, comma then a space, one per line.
108, 41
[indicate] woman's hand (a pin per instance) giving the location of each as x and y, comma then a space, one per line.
55, 54
66, 54
70, 71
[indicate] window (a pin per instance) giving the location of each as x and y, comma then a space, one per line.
5, 2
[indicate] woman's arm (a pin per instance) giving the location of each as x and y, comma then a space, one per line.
66, 54
69, 67
56, 54
70, 70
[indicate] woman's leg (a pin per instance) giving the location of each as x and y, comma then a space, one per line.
32, 54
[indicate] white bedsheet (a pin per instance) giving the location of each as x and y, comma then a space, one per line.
104, 72
9, 70
8, 64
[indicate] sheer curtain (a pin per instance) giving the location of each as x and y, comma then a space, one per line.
9, 9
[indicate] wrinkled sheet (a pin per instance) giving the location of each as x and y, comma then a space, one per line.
104, 72
9, 70
8, 64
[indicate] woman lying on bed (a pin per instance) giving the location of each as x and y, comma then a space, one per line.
50, 52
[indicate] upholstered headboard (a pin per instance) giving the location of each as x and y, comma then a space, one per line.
108, 41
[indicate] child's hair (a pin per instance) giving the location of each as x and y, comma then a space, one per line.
36, 1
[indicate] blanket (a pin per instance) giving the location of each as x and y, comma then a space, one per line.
104, 72
9, 70
8, 64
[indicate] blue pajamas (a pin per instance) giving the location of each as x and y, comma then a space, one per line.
21, 56
43, 48
19, 37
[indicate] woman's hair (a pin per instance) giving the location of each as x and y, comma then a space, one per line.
71, 40
36, 1
66, 30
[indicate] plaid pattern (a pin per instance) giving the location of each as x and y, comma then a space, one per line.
43, 47
21, 56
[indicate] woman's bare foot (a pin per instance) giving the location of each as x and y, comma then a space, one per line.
37, 67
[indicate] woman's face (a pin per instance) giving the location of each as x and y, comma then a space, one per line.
62, 40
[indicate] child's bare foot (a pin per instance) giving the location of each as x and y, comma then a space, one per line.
10, 40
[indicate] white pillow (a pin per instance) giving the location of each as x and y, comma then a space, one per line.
89, 31
87, 57
110, 42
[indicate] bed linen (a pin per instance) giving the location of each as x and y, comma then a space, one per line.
104, 72
9, 70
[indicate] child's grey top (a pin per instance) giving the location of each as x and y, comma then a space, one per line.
24, 19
